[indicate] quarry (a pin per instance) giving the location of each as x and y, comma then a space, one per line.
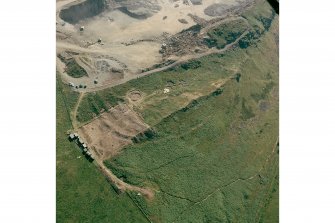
108, 42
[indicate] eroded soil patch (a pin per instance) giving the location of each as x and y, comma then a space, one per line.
112, 131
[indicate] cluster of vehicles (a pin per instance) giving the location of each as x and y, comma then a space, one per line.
82, 145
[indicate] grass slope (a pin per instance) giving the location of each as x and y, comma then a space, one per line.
214, 157
187, 81
83, 195
226, 33
72, 68
95, 103
215, 160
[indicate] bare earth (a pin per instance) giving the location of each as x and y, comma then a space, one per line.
107, 135
121, 185
112, 131
130, 42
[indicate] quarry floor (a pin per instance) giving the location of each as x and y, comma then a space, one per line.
128, 44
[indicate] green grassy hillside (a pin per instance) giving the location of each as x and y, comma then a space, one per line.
216, 159
83, 194
215, 154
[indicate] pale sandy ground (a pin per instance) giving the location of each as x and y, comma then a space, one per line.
116, 28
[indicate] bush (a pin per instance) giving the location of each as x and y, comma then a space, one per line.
194, 64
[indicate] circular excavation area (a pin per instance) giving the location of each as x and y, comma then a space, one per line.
135, 95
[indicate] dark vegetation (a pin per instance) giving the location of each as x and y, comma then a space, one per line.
247, 40
226, 33
147, 135
194, 64
95, 103
73, 68
260, 20
238, 77
194, 29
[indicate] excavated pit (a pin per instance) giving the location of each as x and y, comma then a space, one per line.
117, 40
75, 12
85, 9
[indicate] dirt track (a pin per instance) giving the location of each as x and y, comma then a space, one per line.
107, 135
147, 193
74, 113
178, 62
128, 43
131, 45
